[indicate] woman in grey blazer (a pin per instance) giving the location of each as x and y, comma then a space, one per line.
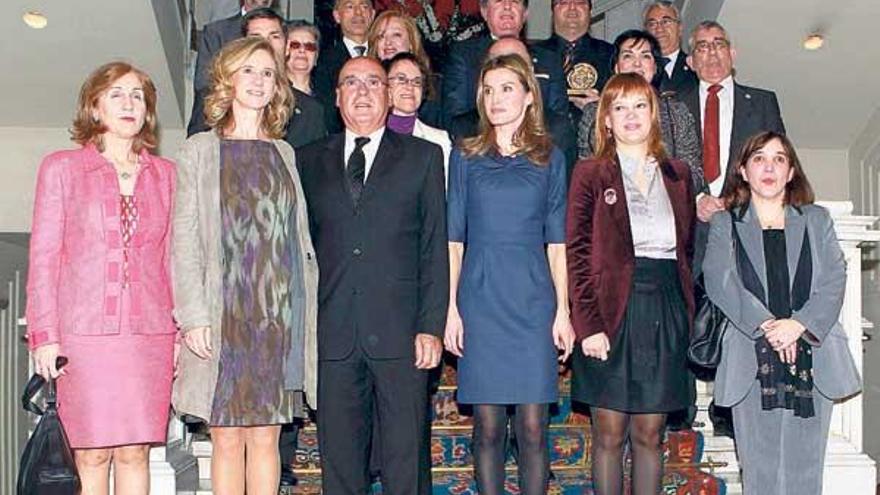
774, 266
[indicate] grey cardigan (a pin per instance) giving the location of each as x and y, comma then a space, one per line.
834, 372
197, 270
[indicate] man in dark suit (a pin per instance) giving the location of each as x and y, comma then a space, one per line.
579, 53
378, 221
214, 36
354, 18
505, 19
728, 113
663, 21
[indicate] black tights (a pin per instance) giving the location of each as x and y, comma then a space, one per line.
490, 434
609, 432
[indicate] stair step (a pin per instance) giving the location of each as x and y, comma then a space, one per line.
569, 447
563, 482
450, 450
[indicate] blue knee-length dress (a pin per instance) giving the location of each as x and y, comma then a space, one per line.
505, 210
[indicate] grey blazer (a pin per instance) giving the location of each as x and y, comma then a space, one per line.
834, 372
197, 270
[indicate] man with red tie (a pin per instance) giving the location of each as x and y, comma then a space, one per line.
729, 113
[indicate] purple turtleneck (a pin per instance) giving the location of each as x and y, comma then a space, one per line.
401, 124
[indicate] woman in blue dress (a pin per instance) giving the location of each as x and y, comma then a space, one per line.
508, 311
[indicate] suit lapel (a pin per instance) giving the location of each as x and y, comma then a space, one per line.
614, 198
749, 230
334, 153
795, 226
742, 111
680, 68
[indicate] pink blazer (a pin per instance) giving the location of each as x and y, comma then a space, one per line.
75, 272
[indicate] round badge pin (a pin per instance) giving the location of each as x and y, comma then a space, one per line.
610, 196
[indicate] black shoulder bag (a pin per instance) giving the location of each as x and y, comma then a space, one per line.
47, 465
710, 323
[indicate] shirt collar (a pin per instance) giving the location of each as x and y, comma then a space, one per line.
629, 164
726, 85
350, 44
375, 136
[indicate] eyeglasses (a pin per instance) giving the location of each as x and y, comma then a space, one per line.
704, 47
354, 83
401, 80
567, 3
664, 21
307, 46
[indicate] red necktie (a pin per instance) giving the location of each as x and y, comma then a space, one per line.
711, 146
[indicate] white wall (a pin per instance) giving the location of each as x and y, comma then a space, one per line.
828, 172
23, 149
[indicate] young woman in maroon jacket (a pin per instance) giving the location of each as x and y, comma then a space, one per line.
628, 242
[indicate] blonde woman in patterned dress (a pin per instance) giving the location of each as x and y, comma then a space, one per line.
245, 272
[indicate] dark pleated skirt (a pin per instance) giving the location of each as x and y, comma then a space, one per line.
646, 370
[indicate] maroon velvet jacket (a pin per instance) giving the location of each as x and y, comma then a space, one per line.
599, 242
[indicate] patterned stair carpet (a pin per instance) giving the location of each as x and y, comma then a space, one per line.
568, 441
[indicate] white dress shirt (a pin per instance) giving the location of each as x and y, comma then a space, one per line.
725, 126
670, 66
350, 44
370, 149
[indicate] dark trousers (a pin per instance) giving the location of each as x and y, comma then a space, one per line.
287, 444
357, 396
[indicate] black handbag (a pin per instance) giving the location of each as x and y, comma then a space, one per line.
710, 323
47, 465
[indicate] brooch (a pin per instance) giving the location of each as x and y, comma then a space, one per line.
610, 196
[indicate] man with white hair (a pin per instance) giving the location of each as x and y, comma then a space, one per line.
663, 20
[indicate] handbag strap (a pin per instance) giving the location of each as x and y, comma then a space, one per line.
35, 384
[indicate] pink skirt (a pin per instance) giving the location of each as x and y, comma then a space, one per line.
117, 390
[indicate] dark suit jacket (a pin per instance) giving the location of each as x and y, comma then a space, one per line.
324, 78
599, 245
588, 50
384, 264
682, 79
214, 36
754, 110
306, 124
463, 69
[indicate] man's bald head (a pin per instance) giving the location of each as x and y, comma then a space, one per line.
509, 46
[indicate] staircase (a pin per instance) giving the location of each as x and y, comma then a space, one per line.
686, 454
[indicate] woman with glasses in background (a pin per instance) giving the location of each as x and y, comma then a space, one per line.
407, 77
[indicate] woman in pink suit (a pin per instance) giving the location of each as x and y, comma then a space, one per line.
99, 283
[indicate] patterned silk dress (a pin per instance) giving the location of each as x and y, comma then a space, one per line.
257, 383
